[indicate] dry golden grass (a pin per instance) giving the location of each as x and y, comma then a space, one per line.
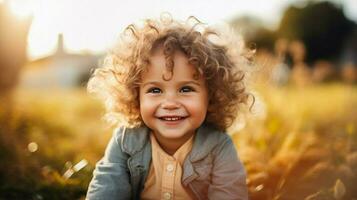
303, 143
300, 144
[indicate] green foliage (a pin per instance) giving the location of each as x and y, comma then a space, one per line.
254, 32
320, 25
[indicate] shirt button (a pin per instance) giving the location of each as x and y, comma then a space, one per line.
167, 195
169, 167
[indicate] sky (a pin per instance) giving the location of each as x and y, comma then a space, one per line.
94, 25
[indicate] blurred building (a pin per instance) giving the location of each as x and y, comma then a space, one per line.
60, 70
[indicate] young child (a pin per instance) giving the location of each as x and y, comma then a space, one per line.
174, 88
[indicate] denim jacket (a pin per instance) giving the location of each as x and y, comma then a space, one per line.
212, 169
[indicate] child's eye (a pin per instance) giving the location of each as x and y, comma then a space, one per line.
187, 89
154, 90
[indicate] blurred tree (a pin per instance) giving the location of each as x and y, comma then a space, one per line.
13, 42
322, 26
253, 31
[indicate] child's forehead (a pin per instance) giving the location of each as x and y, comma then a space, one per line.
157, 67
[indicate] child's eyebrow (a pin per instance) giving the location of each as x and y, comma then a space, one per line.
180, 83
188, 82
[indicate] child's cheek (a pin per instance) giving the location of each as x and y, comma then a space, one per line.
197, 110
147, 108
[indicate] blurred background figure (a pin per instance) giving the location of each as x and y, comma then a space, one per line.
281, 72
301, 73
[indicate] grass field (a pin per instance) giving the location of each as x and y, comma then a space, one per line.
299, 143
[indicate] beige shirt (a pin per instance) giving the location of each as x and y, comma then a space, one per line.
164, 178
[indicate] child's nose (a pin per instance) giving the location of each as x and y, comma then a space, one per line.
170, 103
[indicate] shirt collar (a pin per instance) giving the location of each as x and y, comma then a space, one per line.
180, 153
134, 139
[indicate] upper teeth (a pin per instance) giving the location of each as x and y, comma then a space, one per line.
171, 118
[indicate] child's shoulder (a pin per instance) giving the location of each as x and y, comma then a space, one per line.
131, 140
209, 139
209, 133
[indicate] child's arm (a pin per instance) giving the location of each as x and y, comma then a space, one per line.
111, 175
228, 174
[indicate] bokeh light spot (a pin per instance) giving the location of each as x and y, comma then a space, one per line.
32, 147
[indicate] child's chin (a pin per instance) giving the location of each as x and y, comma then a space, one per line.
174, 133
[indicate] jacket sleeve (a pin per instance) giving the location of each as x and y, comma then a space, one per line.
228, 174
111, 179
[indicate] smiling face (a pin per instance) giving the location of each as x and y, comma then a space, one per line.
173, 109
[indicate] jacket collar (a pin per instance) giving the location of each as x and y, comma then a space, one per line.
206, 138
134, 139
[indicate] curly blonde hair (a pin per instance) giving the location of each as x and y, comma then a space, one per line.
219, 58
